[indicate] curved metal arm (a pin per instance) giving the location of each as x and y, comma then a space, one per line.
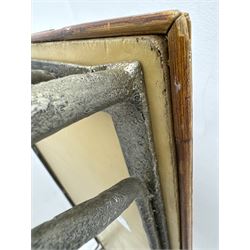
63, 101
73, 228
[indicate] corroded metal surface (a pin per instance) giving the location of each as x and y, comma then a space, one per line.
73, 228
119, 90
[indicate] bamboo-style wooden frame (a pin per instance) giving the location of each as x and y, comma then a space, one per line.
176, 27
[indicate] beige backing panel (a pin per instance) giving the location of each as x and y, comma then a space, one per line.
150, 51
86, 154
87, 158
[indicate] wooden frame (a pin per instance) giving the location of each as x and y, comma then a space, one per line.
176, 27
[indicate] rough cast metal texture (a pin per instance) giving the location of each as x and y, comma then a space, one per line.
60, 102
119, 90
40, 76
76, 226
61, 69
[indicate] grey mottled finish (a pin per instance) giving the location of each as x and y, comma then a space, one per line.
133, 129
63, 101
38, 75
62, 69
127, 105
73, 228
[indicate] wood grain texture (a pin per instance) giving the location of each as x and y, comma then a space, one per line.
156, 23
179, 43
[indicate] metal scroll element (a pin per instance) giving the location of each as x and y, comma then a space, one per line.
79, 91
76, 226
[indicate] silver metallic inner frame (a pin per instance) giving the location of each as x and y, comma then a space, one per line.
76, 226
79, 91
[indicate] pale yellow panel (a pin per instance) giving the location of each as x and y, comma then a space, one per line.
130, 237
149, 50
86, 154
87, 158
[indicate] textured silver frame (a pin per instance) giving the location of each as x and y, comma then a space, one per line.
79, 91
